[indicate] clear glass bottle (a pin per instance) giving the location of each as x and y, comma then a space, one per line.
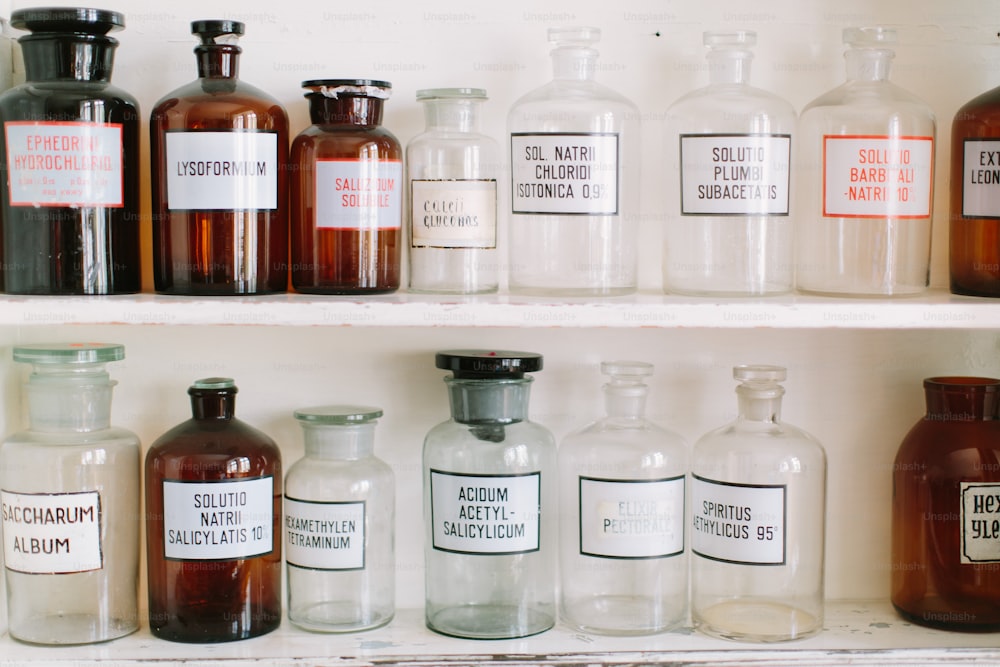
729, 230
758, 493
865, 181
213, 531
575, 158
69, 488
451, 173
489, 503
621, 498
219, 152
69, 208
346, 192
340, 510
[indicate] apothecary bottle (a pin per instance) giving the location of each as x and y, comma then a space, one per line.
70, 156
340, 521
729, 150
219, 152
489, 503
69, 487
945, 512
866, 180
574, 156
213, 532
621, 496
758, 490
346, 192
451, 173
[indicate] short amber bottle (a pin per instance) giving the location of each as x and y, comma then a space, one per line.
945, 514
213, 537
346, 192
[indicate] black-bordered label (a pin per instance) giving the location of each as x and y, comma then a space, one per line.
981, 178
980, 509
738, 523
325, 535
565, 173
735, 174
631, 519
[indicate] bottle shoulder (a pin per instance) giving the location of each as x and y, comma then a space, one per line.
215, 438
208, 100
64, 92
868, 95
95, 440
574, 95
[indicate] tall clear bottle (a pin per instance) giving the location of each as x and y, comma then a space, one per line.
866, 180
729, 230
75, 580
621, 500
758, 494
489, 503
219, 148
451, 173
574, 156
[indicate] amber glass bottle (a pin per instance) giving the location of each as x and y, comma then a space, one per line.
69, 187
346, 192
213, 538
974, 229
219, 148
945, 509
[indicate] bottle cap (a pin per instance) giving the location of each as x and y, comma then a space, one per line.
69, 353
870, 37
451, 94
580, 36
627, 370
217, 31
213, 384
339, 415
729, 38
67, 19
488, 364
760, 373
335, 88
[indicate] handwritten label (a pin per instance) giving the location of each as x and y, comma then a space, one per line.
453, 213
877, 176
565, 173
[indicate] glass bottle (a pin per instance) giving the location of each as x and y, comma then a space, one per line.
346, 192
213, 537
219, 148
945, 512
69, 489
340, 511
70, 157
575, 170
489, 503
866, 185
758, 492
451, 172
622, 490
729, 145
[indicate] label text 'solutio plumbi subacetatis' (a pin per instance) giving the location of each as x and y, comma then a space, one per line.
51, 533
734, 174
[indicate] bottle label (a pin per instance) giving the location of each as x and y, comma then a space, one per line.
52, 533
735, 174
453, 213
738, 523
221, 520
565, 173
640, 518
877, 176
980, 510
486, 514
325, 535
222, 171
359, 194
981, 178
64, 163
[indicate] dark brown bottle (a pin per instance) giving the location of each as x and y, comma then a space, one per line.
213, 536
219, 151
346, 192
69, 191
945, 509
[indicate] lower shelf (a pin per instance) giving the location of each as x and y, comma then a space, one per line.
855, 633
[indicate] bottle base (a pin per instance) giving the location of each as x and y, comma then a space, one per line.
901, 293
346, 291
572, 291
197, 631
621, 615
757, 621
336, 617
70, 630
489, 621
939, 616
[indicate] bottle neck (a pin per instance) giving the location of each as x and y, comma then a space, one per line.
868, 64
208, 405
218, 61
574, 63
960, 402
625, 401
67, 57
488, 401
69, 399
345, 110
452, 114
759, 405
356, 441
729, 66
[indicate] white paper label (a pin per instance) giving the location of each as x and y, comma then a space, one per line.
209, 171
631, 518
565, 173
980, 522
58, 533
738, 523
744, 174
485, 514
981, 178
359, 194
64, 163
325, 535
218, 520
877, 176
453, 213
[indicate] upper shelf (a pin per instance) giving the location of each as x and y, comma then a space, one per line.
934, 310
